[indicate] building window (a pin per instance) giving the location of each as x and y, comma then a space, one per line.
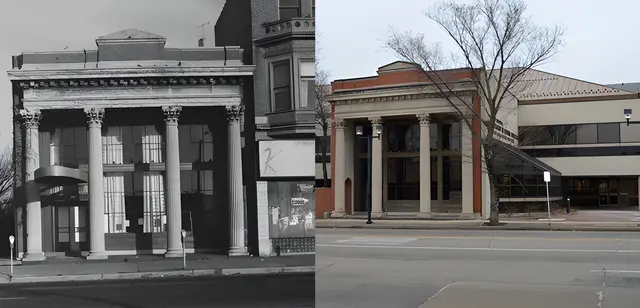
313, 8
68, 147
112, 146
281, 86
307, 85
196, 143
452, 178
403, 137
289, 9
587, 133
404, 178
608, 133
629, 133
147, 145
155, 217
453, 136
114, 203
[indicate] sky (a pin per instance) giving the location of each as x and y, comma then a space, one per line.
45, 25
601, 39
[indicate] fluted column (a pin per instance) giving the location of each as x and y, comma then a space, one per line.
339, 176
172, 178
96, 184
31, 120
236, 196
376, 170
425, 164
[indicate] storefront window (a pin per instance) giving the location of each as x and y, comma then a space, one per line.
291, 209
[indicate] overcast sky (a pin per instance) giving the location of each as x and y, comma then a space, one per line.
602, 44
44, 25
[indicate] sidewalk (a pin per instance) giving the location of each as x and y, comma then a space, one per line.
57, 269
505, 224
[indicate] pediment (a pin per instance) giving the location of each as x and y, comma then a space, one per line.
130, 34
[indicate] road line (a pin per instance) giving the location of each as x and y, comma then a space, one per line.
11, 298
499, 238
481, 248
616, 271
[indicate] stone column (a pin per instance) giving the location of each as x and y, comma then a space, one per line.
339, 177
172, 178
236, 195
376, 170
96, 184
31, 120
467, 168
425, 165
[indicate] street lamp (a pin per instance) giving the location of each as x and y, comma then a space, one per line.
376, 134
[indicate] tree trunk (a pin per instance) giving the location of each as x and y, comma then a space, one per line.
325, 176
494, 213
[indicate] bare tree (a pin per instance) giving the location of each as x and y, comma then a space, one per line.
6, 178
498, 44
323, 119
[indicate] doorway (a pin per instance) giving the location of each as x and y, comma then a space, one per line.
608, 191
71, 229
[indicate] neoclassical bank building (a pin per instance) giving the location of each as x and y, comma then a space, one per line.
121, 148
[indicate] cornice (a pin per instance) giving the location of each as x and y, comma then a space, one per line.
132, 81
147, 72
389, 98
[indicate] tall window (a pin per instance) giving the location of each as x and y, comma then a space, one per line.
404, 137
69, 147
155, 216
114, 203
196, 143
112, 146
281, 86
147, 143
404, 178
289, 9
307, 85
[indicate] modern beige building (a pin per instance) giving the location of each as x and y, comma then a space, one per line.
388, 111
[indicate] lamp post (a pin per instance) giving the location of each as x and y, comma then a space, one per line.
375, 134
11, 241
183, 233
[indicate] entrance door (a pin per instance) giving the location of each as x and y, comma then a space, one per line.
71, 229
609, 193
603, 190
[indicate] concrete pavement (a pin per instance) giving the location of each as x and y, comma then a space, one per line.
144, 267
506, 224
449, 268
231, 291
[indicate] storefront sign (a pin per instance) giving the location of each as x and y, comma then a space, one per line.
287, 158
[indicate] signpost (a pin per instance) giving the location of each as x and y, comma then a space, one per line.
547, 179
184, 252
11, 241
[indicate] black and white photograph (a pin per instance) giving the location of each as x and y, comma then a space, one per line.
157, 153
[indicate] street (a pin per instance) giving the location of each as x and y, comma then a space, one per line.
292, 290
444, 268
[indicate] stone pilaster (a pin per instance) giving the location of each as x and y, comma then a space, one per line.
31, 119
340, 176
172, 171
236, 195
425, 164
96, 184
376, 170
467, 168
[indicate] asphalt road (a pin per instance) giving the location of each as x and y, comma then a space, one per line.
442, 268
291, 290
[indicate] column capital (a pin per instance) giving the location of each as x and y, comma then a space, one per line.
376, 121
424, 119
171, 113
31, 117
234, 113
339, 124
94, 115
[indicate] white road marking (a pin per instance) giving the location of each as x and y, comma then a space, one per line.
616, 271
11, 298
482, 248
377, 240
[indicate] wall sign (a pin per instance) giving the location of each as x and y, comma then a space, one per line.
287, 158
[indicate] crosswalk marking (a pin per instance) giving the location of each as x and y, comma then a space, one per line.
377, 240
11, 298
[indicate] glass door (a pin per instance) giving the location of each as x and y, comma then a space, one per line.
71, 229
613, 192
603, 190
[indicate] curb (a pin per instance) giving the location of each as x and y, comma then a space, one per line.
490, 228
152, 275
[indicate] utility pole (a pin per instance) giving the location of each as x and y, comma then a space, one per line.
201, 39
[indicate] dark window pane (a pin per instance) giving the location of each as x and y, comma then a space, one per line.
289, 12
587, 133
608, 133
68, 136
434, 178
454, 136
404, 179
629, 133
433, 133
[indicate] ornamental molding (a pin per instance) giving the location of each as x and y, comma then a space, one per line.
234, 113
391, 98
171, 114
31, 117
94, 115
339, 124
130, 82
424, 119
